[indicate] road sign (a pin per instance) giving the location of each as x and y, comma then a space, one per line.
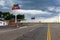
15, 7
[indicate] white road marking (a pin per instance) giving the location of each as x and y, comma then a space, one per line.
32, 29
23, 27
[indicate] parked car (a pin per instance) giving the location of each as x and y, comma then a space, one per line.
3, 23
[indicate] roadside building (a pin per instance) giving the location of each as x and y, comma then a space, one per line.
3, 22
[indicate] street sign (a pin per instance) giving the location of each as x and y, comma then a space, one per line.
15, 7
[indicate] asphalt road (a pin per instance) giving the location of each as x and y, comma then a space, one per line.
33, 32
55, 31
37, 34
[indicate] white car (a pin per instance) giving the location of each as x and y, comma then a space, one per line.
3, 23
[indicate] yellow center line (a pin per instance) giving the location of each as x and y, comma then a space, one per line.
48, 33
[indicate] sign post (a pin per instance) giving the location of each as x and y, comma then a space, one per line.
15, 18
14, 8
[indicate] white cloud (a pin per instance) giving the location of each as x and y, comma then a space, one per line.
51, 8
2, 2
59, 17
31, 12
53, 19
56, 9
5, 8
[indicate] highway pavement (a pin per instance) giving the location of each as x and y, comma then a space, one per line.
55, 31
32, 32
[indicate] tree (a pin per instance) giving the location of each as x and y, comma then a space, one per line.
1, 14
21, 17
10, 17
5, 14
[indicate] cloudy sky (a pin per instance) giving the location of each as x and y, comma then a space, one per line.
47, 10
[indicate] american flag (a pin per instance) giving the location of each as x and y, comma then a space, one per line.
33, 18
